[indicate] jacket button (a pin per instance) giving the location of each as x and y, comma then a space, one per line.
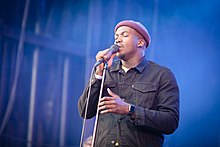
112, 142
117, 144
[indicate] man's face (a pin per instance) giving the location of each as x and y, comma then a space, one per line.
127, 40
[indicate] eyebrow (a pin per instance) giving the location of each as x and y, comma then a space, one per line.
122, 32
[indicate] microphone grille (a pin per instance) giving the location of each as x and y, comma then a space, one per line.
114, 48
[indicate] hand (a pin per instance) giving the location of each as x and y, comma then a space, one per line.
105, 55
88, 142
113, 104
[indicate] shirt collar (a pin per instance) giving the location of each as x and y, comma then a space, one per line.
140, 67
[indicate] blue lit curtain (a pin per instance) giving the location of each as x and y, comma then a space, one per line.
60, 42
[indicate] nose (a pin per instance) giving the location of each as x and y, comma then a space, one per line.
118, 40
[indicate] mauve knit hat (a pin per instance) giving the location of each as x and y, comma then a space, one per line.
137, 26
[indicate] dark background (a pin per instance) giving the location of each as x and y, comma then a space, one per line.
47, 63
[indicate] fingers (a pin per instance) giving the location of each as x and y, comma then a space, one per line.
107, 104
111, 104
111, 93
108, 111
103, 54
107, 56
106, 99
88, 142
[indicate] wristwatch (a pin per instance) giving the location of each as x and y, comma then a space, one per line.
131, 110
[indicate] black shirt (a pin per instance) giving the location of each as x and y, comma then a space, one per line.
154, 92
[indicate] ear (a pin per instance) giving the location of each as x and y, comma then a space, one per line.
141, 43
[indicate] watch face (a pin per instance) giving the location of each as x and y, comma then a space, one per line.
131, 110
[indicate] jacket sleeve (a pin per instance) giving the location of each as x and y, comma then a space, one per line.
165, 117
93, 99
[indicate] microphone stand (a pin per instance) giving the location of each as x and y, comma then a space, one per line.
100, 95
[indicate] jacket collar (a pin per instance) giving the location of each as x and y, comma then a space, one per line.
116, 66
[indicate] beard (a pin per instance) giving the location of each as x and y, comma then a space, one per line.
121, 56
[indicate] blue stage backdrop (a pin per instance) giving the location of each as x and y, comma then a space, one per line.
48, 47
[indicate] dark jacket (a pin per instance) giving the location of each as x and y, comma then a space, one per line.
154, 92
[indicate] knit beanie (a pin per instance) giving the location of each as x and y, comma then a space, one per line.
137, 26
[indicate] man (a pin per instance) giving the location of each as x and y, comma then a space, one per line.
140, 99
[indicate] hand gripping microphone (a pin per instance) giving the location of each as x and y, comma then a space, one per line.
113, 49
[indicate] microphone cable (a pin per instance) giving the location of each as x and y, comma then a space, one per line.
86, 109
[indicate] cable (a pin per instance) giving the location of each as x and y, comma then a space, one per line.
86, 109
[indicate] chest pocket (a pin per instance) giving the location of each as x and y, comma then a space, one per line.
145, 94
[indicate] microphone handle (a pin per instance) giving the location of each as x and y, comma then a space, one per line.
99, 62
113, 49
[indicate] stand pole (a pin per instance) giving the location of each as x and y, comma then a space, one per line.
97, 112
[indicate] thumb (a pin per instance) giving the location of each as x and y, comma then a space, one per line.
111, 93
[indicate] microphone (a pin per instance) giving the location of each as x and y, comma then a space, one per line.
113, 49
